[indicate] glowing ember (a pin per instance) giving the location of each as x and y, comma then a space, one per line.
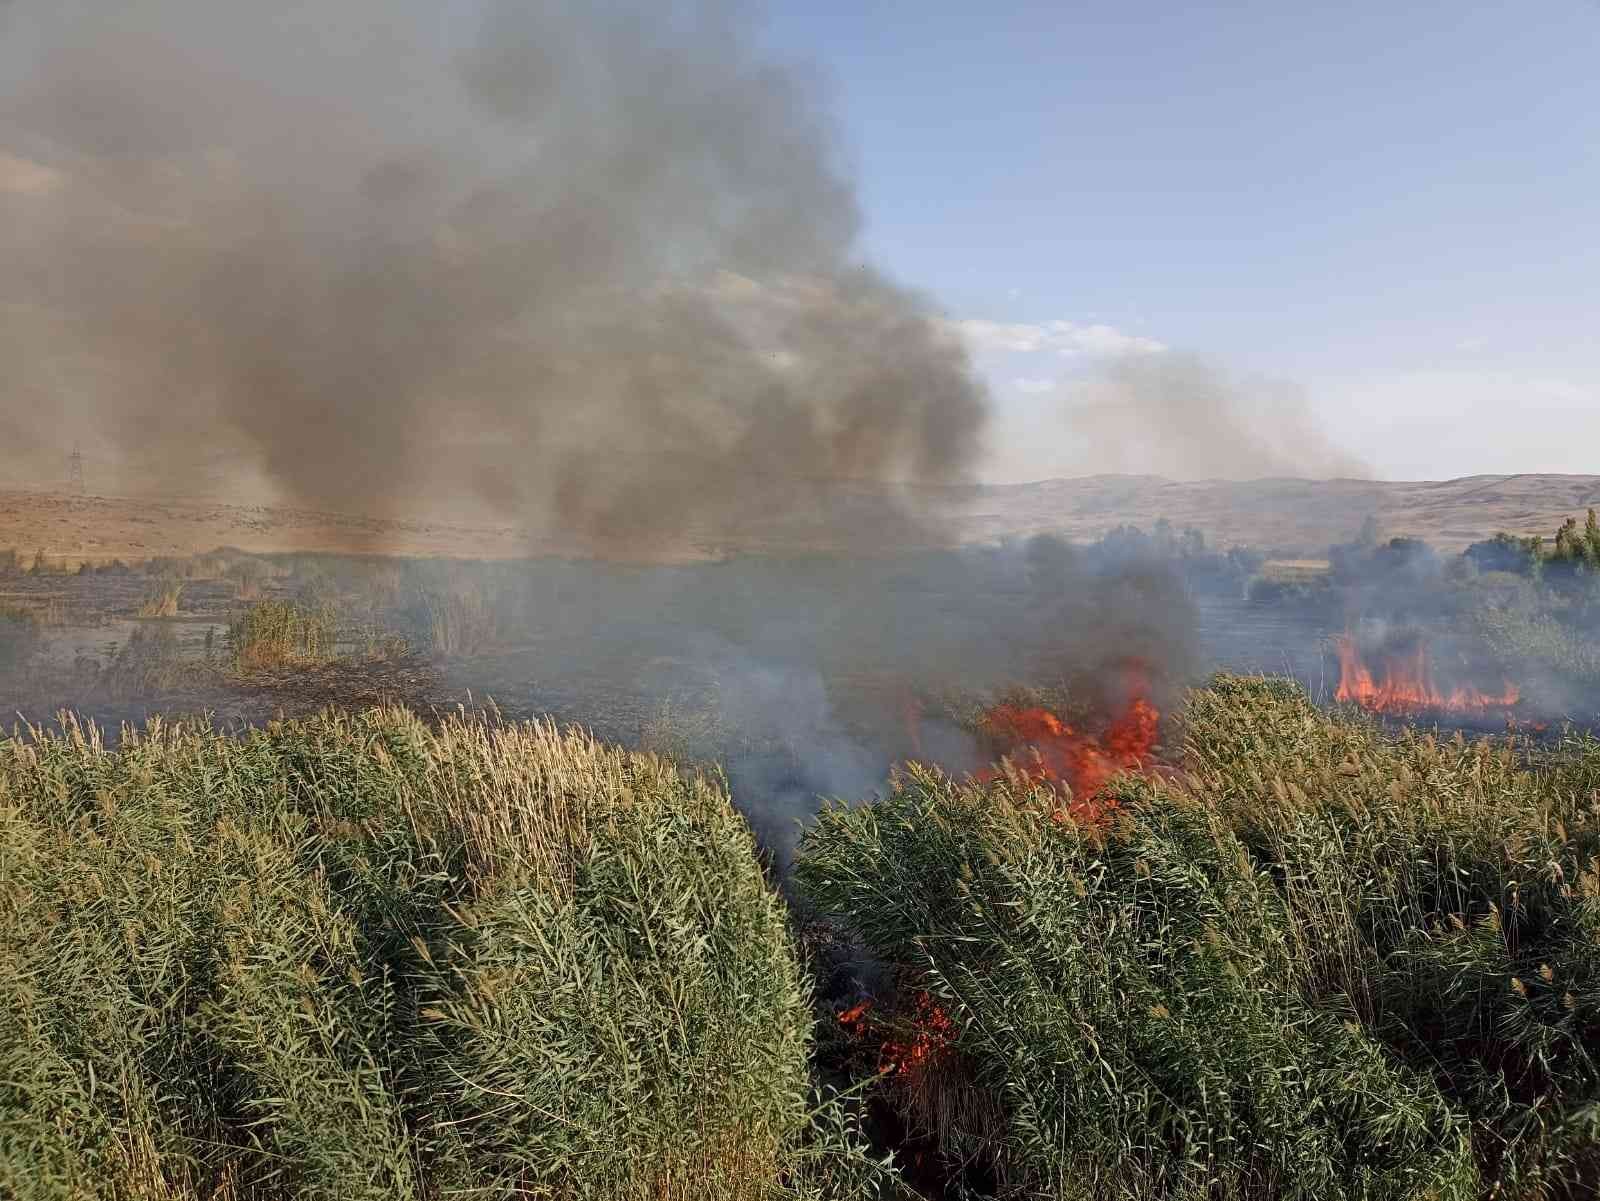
854, 1019
1045, 750
1403, 683
932, 1034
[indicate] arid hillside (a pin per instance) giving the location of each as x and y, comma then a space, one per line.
99, 528
1282, 515
1286, 515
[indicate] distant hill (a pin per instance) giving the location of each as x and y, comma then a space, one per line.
1286, 516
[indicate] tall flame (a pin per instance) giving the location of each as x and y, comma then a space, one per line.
1403, 683
1043, 749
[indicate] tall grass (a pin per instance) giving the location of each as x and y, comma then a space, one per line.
1534, 642
19, 636
280, 633
358, 957
162, 600
150, 662
1447, 893
1320, 962
460, 619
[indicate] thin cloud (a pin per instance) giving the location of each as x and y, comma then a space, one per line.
1033, 384
1067, 338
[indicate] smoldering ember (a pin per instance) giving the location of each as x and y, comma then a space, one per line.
731, 601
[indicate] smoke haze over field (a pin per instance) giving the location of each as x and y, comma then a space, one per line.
1181, 415
592, 264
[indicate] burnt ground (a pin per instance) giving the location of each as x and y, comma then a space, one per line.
650, 683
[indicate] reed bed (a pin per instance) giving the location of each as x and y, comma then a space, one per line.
281, 633
19, 636
357, 956
1320, 961
162, 600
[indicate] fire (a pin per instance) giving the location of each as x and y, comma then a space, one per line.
1403, 683
1044, 749
932, 1033
854, 1019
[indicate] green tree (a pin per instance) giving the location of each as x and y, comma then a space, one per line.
1569, 545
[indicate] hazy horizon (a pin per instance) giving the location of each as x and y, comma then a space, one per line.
1379, 216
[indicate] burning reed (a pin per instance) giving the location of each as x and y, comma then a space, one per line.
1318, 961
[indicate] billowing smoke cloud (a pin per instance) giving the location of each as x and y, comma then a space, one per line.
1184, 416
590, 264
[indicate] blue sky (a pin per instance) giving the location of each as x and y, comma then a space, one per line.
1392, 208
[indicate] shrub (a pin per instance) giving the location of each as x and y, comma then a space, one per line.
149, 662
1536, 642
357, 957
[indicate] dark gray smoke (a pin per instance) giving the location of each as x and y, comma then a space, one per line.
1182, 415
588, 264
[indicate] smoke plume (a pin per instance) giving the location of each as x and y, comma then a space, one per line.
1184, 416
589, 265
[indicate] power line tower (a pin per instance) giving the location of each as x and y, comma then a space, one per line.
75, 471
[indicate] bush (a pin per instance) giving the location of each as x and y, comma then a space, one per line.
356, 957
1535, 642
1318, 962
151, 662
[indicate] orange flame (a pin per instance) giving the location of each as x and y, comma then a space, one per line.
933, 1034
854, 1019
1403, 683
1045, 750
